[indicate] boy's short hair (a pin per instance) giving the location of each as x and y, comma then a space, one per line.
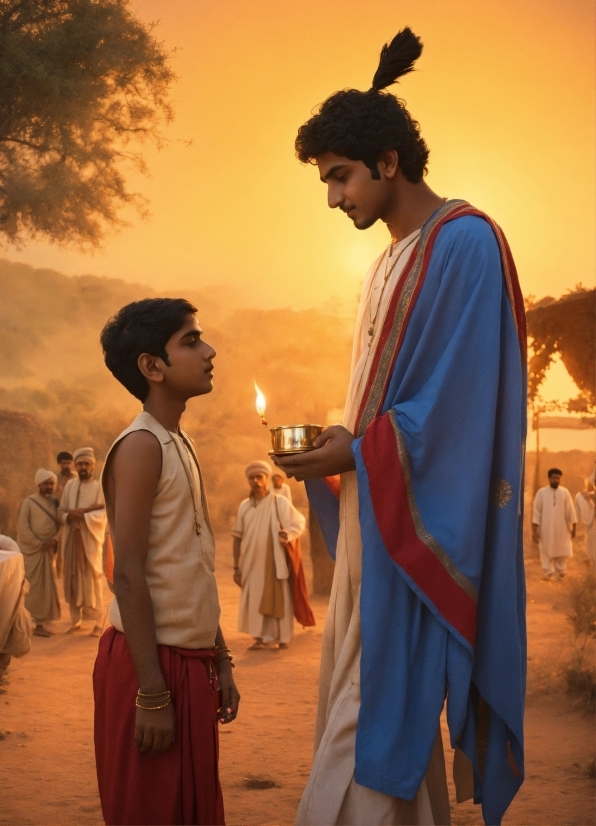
63, 456
554, 470
141, 327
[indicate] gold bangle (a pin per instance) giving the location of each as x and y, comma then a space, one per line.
159, 693
228, 657
151, 708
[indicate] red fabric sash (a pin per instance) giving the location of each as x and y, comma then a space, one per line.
302, 610
180, 786
404, 298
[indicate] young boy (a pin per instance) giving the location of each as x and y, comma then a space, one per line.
163, 675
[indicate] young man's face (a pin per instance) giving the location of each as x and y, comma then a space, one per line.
191, 361
65, 466
351, 187
85, 468
277, 481
554, 480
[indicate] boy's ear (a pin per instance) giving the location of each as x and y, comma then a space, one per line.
150, 367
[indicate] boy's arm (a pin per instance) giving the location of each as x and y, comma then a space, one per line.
230, 698
130, 484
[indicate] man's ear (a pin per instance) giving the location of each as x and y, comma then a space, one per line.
150, 367
388, 164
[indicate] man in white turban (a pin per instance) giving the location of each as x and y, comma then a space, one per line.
82, 512
38, 529
265, 523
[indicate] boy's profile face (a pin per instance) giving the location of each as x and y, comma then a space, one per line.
190, 372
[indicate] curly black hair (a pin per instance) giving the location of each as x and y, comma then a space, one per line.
363, 125
141, 327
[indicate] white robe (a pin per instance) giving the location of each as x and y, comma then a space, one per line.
38, 524
15, 631
585, 510
82, 591
554, 513
257, 520
332, 796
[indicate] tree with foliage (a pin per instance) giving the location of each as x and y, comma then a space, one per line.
564, 327
81, 81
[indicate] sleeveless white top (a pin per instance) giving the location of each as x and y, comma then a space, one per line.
180, 566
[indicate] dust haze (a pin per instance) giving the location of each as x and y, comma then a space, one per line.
56, 393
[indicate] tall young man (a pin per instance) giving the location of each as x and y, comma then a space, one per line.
428, 595
163, 675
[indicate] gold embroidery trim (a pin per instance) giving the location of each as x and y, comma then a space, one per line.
501, 493
431, 543
378, 387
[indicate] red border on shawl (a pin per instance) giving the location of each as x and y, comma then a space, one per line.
511, 281
389, 496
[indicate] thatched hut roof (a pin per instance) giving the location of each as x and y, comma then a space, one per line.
566, 326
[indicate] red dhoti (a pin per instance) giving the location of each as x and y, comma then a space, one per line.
180, 786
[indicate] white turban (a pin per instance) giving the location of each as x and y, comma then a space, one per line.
258, 467
43, 475
84, 453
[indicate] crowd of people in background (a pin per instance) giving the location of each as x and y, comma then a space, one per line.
62, 534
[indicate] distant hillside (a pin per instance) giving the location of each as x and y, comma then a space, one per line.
53, 371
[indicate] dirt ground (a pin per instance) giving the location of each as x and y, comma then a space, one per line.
46, 736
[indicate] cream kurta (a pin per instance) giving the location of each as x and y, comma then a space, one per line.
585, 510
553, 511
15, 629
258, 524
38, 523
331, 795
180, 565
82, 577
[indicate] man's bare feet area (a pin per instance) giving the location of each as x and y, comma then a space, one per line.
41, 631
74, 628
257, 645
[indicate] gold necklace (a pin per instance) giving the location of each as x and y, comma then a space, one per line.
388, 271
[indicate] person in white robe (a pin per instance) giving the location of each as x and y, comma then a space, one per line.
37, 534
265, 522
553, 525
585, 505
83, 514
280, 487
15, 629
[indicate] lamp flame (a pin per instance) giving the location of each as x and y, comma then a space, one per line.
261, 403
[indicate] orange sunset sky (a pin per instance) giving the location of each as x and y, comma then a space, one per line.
504, 93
